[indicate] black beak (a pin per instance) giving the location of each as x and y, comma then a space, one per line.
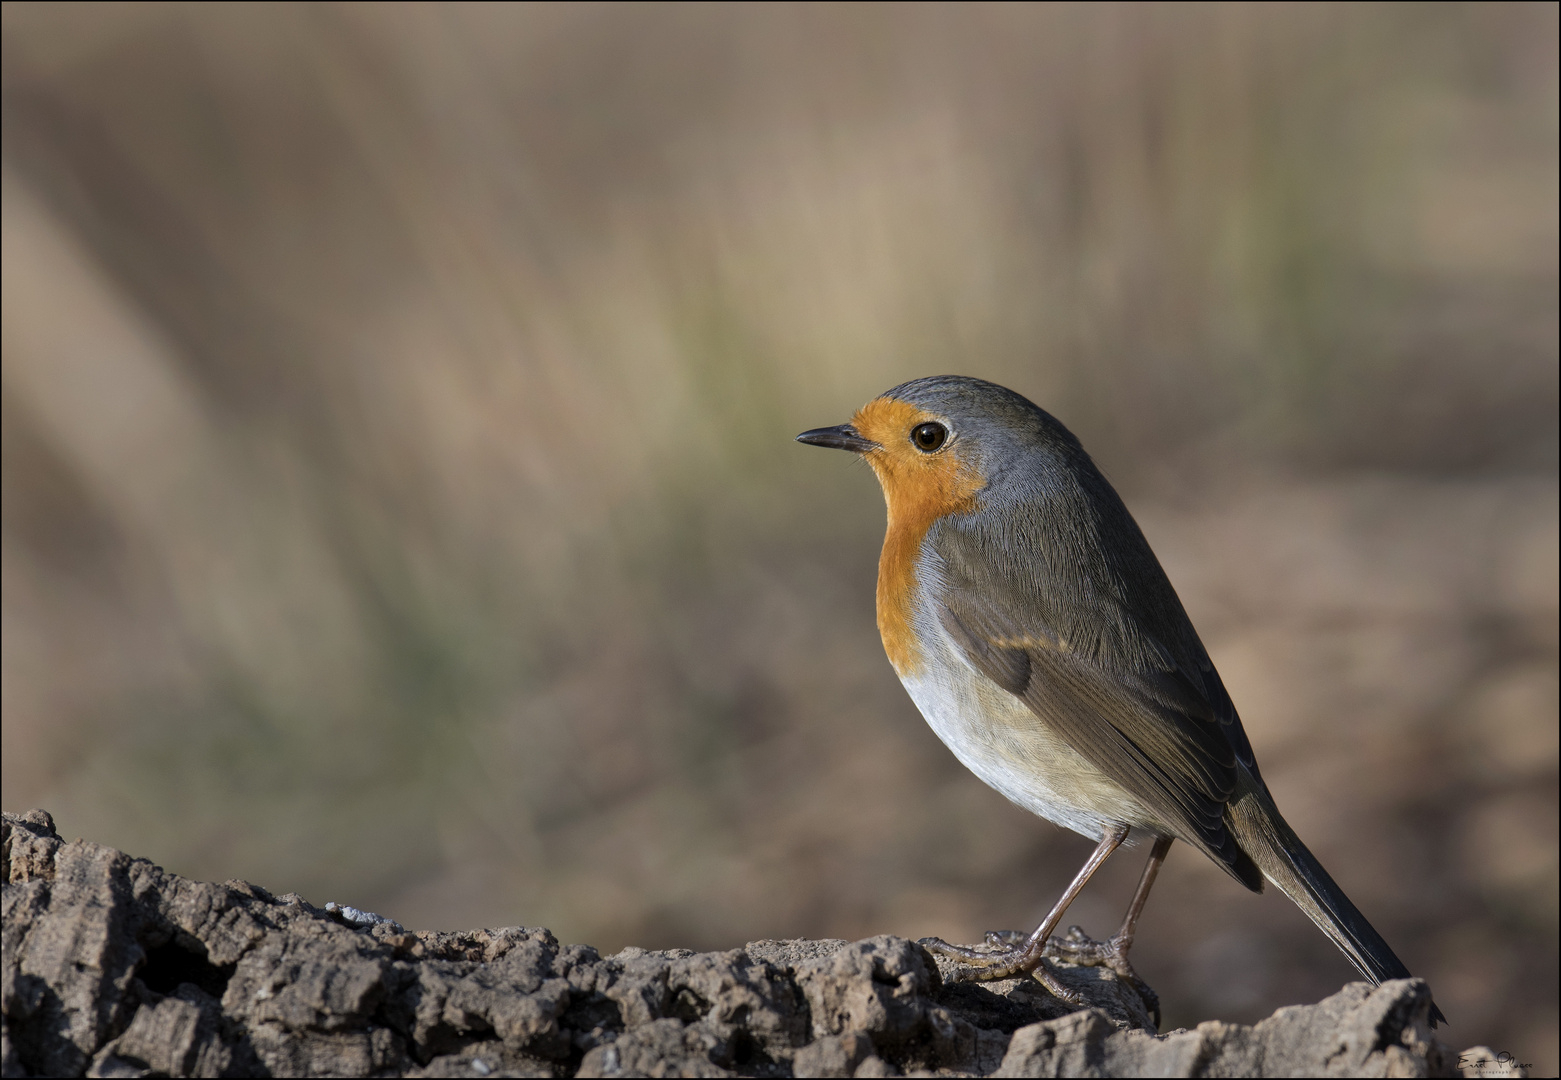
844, 437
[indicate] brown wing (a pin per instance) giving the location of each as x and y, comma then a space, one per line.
1122, 699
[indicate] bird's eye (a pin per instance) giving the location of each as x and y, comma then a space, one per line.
928, 437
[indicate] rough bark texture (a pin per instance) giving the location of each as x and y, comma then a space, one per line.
114, 967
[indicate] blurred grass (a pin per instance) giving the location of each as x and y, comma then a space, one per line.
399, 504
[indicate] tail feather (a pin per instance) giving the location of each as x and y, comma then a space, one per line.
1284, 860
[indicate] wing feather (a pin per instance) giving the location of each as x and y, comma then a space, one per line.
1149, 713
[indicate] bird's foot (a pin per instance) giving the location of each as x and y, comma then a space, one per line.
1076, 947
1003, 955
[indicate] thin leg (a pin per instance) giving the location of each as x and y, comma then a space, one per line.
1002, 960
1130, 921
1077, 948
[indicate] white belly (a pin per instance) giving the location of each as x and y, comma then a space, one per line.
997, 737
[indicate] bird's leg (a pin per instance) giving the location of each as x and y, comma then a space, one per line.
1006, 954
1076, 948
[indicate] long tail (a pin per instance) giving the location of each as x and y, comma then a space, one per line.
1284, 860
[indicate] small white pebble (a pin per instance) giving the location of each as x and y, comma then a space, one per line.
481, 1067
356, 916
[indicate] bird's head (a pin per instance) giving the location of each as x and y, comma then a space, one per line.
936, 444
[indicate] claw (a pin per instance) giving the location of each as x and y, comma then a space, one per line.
970, 954
1056, 987
1004, 954
987, 962
1076, 947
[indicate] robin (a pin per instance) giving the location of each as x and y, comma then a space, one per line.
1034, 628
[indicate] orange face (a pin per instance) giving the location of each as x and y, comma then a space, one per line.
919, 488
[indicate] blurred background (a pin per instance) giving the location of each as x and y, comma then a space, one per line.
400, 506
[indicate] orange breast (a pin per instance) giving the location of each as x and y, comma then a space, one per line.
918, 489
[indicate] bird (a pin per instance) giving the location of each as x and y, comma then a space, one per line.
1031, 623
